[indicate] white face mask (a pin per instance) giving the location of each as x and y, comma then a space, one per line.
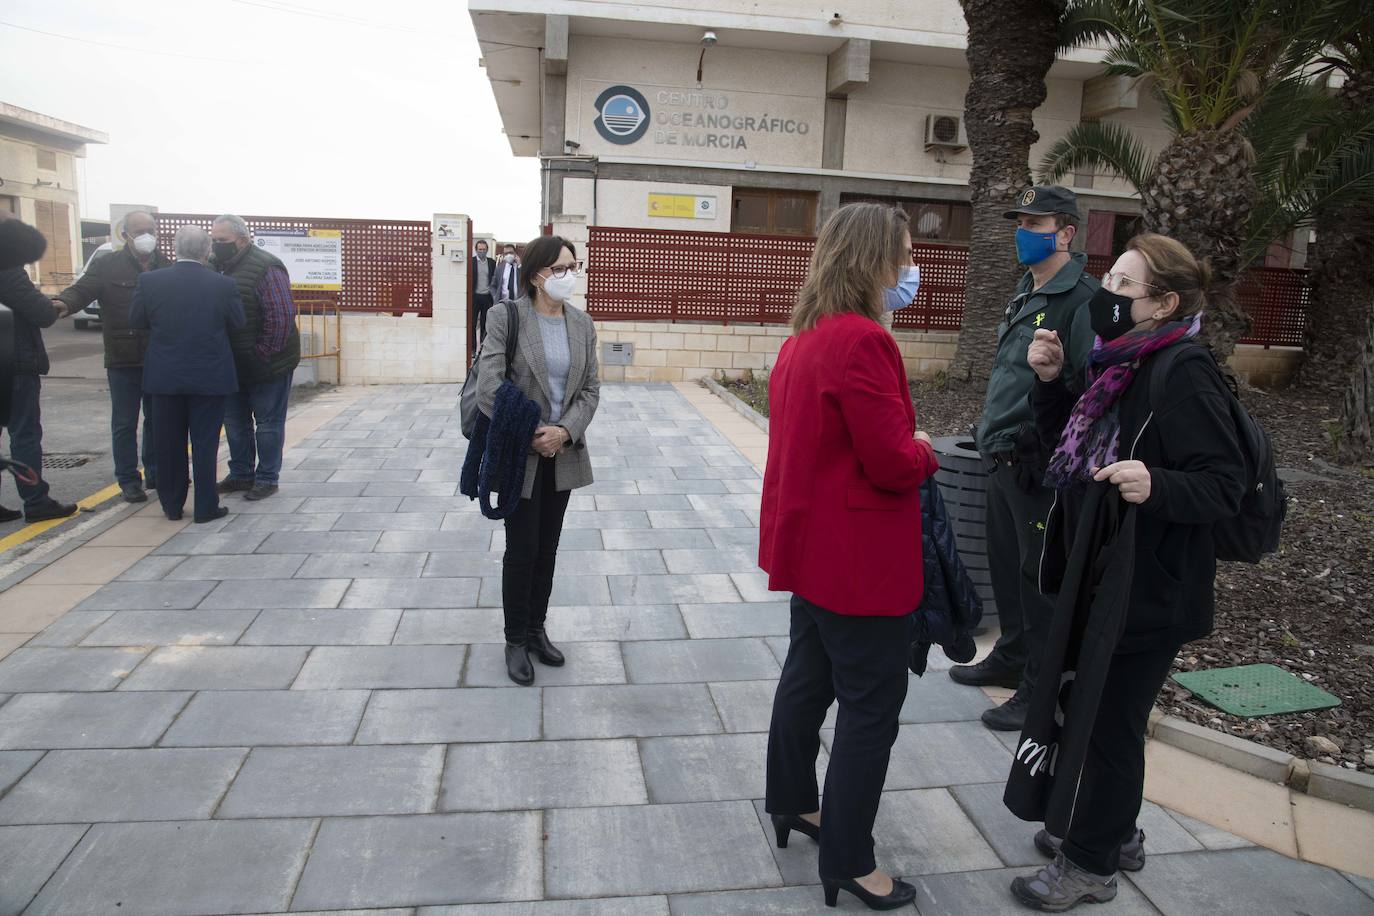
561, 288
509, 259
482, 253
145, 243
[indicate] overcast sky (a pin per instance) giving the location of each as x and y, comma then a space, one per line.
339, 108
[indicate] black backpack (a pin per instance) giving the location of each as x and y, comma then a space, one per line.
1255, 531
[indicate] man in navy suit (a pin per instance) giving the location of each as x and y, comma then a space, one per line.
189, 368
482, 276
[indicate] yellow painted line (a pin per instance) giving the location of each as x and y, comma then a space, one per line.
29, 532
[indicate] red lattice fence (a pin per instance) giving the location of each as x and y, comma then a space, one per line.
386, 263
673, 275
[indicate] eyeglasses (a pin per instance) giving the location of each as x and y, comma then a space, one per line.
561, 270
1113, 282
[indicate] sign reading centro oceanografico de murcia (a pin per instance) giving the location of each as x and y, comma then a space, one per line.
765, 126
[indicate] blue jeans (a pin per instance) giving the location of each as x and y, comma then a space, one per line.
26, 437
126, 399
255, 424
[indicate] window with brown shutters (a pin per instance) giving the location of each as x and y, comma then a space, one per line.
47, 160
53, 219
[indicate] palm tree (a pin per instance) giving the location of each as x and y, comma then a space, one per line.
1011, 46
1225, 70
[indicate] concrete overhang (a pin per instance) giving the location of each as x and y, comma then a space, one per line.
45, 127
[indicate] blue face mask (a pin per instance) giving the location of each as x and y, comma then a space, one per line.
904, 293
1034, 247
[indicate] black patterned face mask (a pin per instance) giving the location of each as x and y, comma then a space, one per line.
1110, 313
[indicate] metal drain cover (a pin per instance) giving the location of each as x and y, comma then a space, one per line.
65, 461
1256, 690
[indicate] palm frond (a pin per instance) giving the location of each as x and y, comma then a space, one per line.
1099, 145
1280, 124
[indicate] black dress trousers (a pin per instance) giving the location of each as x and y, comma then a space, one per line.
532, 534
861, 661
175, 418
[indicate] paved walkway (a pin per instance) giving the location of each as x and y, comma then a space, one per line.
304, 707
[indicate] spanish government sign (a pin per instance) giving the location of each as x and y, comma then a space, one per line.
313, 257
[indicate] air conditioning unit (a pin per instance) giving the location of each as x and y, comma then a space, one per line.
945, 131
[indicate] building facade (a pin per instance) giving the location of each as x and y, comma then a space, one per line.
38, 169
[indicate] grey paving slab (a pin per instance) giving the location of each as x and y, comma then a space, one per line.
69, 629
943, 754
450, 626
82, 786
259, 524
459, 563
546, 774
753, 586
708, 767
363, 565
780, 901
150, 569
604, 906
431, 859
289, 542
277, 505
699, 589
587, 663
408, 593
745, 502
367, 476
1210, 837
570, 539
288, 593
620, 519
170, 628
217, 668
778, 645
453, 716
405, 541
254, 566
353, 504
136, 596
735, 537
87, 720
655, 538
676, 486
917, 832
295, 487
632, 710
935, 698
1257, 882
28, 857
389, 521
327, 627
988, 893
247, 718
378, 667
658, 849
652, 501
624, 473
421, 488
747, 706
743, 471
13, 765
744, 486
451, 503
689, 661
569, 590
335, 781
1363, 883
737, 618
691, 518
169, 869
613, 562
611, 487
44, 670
715, 560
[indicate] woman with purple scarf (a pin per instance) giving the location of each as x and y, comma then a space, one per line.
1180, 463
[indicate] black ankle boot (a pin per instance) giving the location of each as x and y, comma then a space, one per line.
518, 665
542, 649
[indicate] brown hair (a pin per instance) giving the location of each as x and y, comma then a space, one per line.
1174, 269
859, 249
540, 253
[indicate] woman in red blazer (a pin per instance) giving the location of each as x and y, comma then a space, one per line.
841, 530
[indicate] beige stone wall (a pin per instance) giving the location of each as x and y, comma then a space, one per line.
1266, 368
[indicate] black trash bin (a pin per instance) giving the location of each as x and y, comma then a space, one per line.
963, 486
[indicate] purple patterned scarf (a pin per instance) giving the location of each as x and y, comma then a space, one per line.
1090, 439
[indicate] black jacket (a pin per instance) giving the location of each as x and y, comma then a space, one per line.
32, 310
1197, 477
111, 279
950, 605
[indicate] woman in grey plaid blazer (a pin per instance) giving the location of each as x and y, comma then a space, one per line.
556, 367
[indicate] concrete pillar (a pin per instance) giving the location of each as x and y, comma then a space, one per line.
832, 142
847, 67
449, 262
556, 45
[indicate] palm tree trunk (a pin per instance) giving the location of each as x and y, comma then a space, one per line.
1201, 193
1356, 444
1342, 274
1011, 46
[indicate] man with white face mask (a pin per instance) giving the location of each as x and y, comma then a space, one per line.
111, 279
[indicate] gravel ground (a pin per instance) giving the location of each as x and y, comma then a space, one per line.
1309, 609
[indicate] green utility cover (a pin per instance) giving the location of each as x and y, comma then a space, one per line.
1256, 690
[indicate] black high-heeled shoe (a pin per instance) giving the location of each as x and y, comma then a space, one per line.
902, 893
784, 824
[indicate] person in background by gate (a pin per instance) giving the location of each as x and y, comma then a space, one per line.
840, 528
111, 279
267, 350
189, 312
508, 275
483, 274
555, 365
1052, 296
1181, 463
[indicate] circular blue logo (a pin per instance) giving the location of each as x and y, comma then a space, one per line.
622, 115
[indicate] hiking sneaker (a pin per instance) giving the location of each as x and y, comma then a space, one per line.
1061, 886
1132, 851
233, 485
